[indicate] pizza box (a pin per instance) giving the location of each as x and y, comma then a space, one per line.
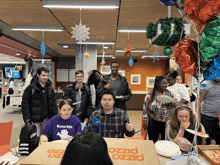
122, 151
206, 151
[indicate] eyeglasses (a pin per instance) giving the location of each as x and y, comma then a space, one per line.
164, 84
79, 76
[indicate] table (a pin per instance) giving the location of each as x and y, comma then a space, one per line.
163, 160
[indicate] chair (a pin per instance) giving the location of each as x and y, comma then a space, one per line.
5, 137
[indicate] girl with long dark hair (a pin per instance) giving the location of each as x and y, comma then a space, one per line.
158, 112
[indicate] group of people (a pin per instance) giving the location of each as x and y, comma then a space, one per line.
79, 105
103, 100
168, 119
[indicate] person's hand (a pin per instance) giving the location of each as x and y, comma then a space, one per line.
122, 98
86, 120
184, 125
1, 163
69, 139
90, 72
43, 141
108, 86
145, 124
129, 127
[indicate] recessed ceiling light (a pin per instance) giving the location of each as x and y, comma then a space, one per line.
81, 4
65, 46
132, 30
113, 57
105, 47
150, 56
37, 28
97, 42
106, 55
136, 50
18, 54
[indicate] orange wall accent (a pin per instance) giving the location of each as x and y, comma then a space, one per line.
146, 68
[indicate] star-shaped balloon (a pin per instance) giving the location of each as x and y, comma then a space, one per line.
128, 49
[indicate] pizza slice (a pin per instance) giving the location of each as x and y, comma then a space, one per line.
184, 123
216, 153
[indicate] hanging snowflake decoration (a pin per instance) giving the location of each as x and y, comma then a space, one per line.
43, 49
103, 59
130, 62
80, 55
80, 33
155, 54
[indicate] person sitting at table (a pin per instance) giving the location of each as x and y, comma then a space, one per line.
156, 111
63, 126
114, 122
87, 149
182, 119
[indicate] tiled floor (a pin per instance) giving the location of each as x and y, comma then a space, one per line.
15, 115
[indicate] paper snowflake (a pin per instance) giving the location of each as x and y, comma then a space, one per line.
43, 49
80, 33
155, 54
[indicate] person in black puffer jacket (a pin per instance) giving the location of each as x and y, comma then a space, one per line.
79, 91
38, 101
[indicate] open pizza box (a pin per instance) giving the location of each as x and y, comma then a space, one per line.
121, 151
207, 152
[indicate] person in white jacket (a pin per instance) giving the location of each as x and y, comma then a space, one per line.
179, 91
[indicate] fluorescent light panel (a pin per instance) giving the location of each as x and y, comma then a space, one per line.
65, 46
81, 4
132, 30
150, 56
137, 50
106, 56
97, 42
37, 28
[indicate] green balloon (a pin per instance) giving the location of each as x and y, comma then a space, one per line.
167, 51
181, 1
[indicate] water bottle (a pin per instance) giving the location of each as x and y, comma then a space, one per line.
96, 125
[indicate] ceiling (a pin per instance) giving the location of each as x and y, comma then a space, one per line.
103, 24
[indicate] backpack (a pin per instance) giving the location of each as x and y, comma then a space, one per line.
29, 140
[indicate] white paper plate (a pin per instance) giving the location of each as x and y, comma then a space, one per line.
60, 141
164, 99
193, 132
168, 155
11, 158
76, 102
167, 148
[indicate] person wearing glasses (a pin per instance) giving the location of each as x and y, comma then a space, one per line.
156, 111
80, 94
117, 84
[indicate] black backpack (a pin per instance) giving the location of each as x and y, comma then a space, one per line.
29, 140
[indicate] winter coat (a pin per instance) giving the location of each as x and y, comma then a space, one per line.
86, 98
33, 104
124, 90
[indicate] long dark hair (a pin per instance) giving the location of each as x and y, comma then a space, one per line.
87, 149
158, 79
172, 74
92, 79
